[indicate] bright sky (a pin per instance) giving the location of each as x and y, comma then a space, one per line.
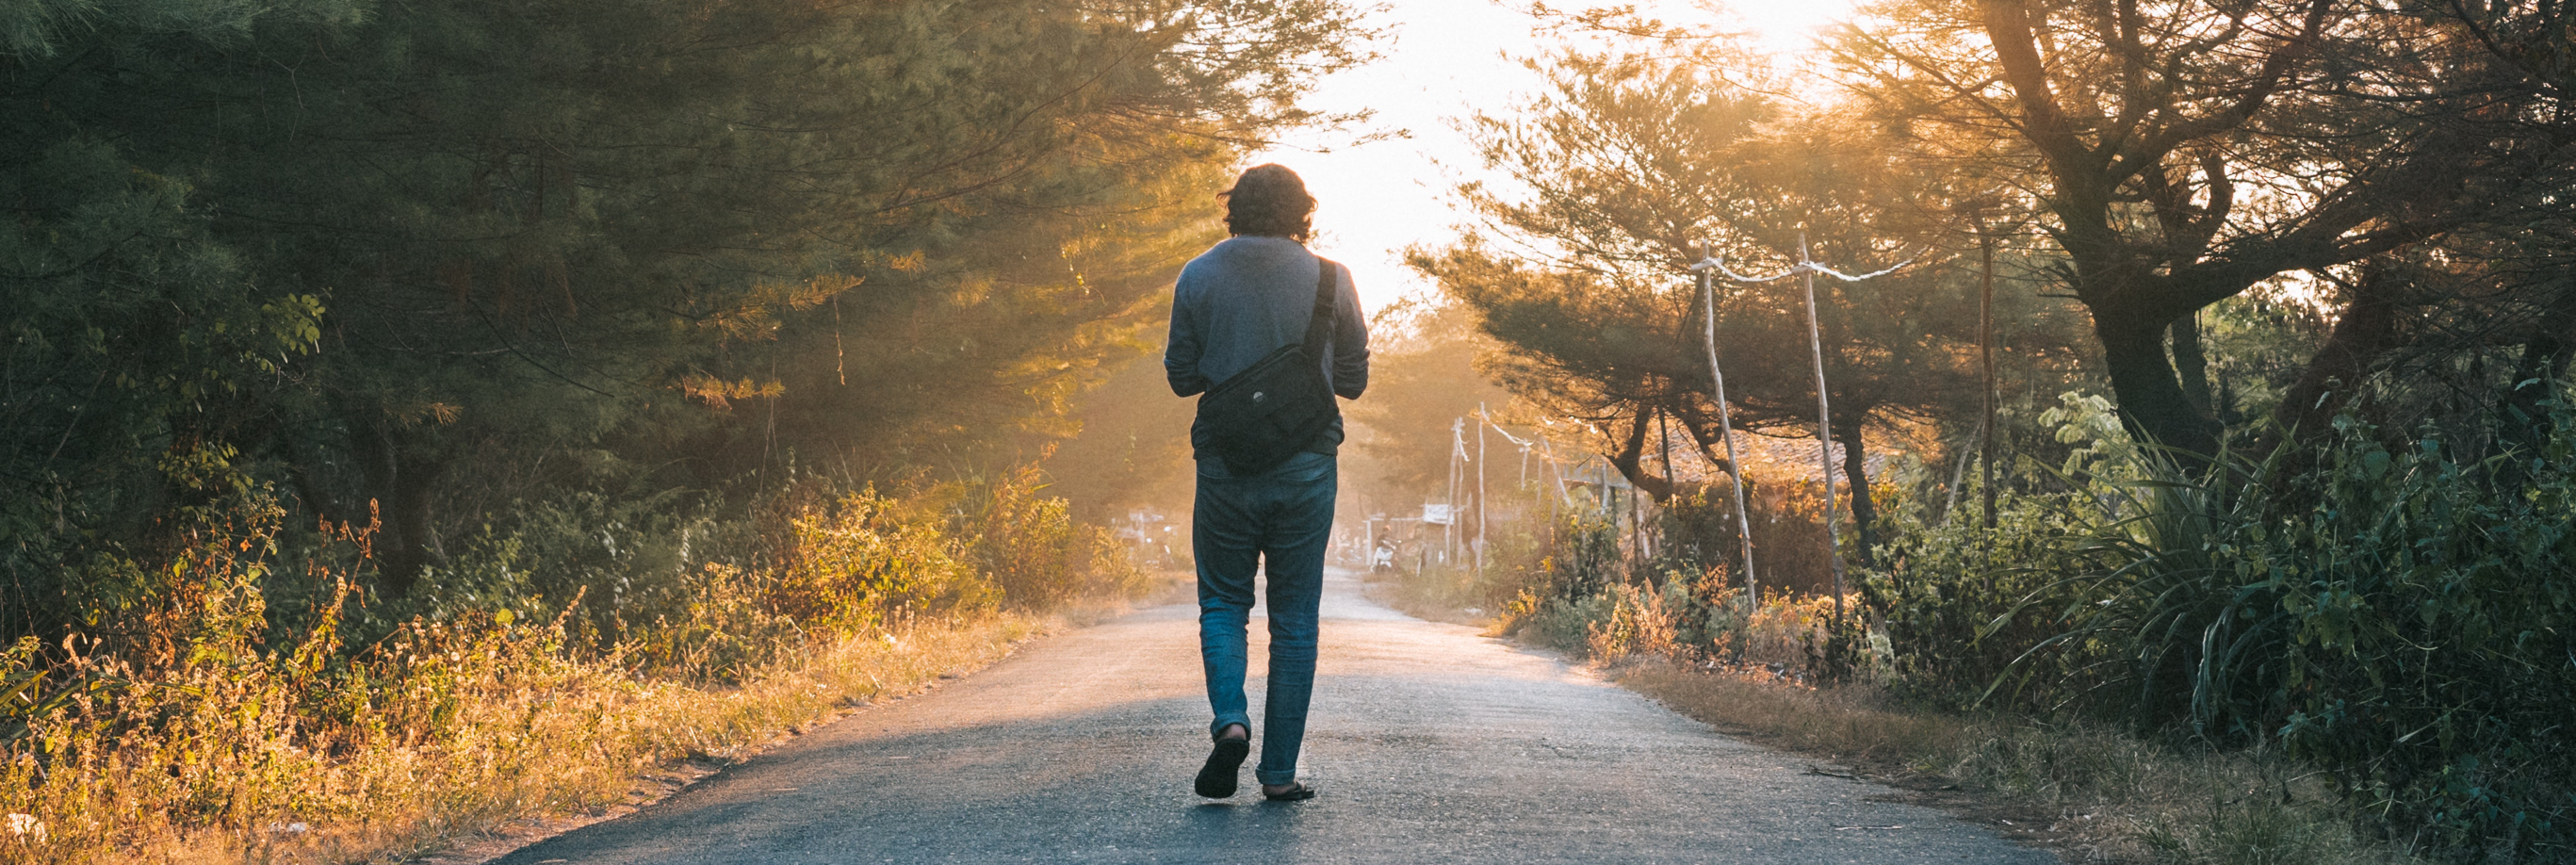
1448, 58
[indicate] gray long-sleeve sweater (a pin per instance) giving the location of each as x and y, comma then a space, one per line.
1246, 297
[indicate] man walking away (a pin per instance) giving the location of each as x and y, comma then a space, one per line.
1235, 308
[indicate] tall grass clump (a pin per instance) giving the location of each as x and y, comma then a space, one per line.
2388, 608
1038, 555
257, 704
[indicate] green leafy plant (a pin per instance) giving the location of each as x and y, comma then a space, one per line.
2393, 612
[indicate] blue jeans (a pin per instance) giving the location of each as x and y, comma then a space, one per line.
1286, 517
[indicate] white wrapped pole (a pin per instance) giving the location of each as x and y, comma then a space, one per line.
1824, 428
1726, 428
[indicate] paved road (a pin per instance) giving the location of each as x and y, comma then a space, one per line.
1428, 742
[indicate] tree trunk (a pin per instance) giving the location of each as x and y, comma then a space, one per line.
1706, 435
1864, 509
2192, 364
398, 486
1630, 459
1986, 360
2367, 330
2153, 406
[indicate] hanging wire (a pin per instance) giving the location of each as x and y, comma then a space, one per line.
1718, 263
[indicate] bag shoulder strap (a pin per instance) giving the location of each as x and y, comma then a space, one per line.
1321, 319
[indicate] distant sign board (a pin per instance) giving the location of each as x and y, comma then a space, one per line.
1439, 515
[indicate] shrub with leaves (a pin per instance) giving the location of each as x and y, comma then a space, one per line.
865, 559
2399, 614
2432, 659
1034, 551
1964, 607
1642, 621
257, 711
1555, 600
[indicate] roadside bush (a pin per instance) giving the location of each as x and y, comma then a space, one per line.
254, 705
1037, 555
1564, 624
2400, 615
1586, 558
864, 559
1582, 594
1639, 621
1698, 528
230, 742
1953, 607
619, 563
2432, 651
1557, 599
2115, 589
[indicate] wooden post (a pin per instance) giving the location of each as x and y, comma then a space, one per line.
1481, 422
1986, 351
1824, 426
1449, 530
1726, 431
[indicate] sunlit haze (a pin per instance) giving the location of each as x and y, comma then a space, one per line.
1447, 59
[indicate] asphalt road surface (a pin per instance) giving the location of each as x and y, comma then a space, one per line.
1427, 743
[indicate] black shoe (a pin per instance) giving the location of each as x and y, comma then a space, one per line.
1297, 792
1217, 778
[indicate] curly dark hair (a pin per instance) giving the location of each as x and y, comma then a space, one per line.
1270, 200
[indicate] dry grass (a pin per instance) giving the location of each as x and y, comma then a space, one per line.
1843, 724
2089, 794
210, 730
519, 733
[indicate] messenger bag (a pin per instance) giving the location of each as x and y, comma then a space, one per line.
1258, 418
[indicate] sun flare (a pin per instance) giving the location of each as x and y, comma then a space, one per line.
1449, 59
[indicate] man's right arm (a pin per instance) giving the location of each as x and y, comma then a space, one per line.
1187, 342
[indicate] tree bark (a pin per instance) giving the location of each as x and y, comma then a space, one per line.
1706, 436
1986, 360
399, 482
2153, 406
2192, 364
1864, 509
2367, 330
1629, 459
